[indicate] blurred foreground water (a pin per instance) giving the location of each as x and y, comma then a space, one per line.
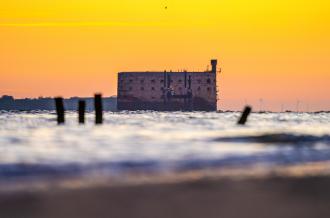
33, 146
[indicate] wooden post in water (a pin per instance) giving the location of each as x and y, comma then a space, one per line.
245, 115
81, 111
98, 109
59, 110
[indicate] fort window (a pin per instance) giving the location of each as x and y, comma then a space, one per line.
208, 81
142, 81
162, 81
142, 88
208, 89
130, 88
180, 81
153, 81
153, 88
130, 80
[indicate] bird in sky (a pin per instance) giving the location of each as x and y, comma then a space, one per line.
165, 7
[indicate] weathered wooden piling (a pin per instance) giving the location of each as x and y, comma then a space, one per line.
81, 111
60, 110
98, 109
245, 115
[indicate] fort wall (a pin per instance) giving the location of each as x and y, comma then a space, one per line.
168, 91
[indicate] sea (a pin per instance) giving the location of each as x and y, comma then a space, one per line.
33, 147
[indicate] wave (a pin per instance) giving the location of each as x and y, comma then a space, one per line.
22, 170
278, 157
282, 138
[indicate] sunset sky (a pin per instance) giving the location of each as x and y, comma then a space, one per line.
278, 51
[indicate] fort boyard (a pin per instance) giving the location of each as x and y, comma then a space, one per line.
168, 91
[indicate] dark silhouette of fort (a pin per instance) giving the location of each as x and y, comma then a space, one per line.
10, 103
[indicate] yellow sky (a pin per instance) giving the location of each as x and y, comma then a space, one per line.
275, 50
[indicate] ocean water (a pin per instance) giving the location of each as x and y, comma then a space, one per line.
33, 145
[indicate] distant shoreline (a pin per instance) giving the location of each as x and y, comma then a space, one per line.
9, 103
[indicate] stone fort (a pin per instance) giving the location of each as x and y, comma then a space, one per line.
168, 91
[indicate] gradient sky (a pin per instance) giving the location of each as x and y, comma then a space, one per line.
277, 51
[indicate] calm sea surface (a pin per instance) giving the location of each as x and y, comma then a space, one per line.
31, 143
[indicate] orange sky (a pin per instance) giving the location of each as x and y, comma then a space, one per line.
278, 51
